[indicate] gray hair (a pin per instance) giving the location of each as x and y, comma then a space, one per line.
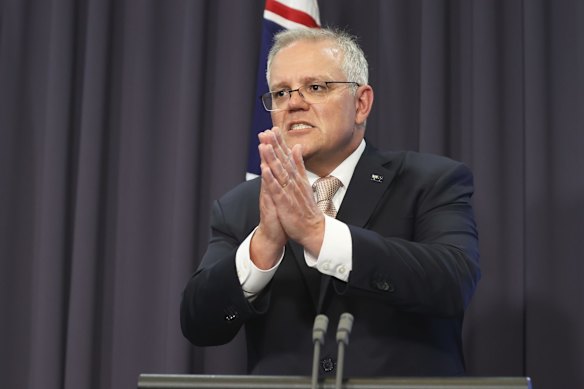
354, 64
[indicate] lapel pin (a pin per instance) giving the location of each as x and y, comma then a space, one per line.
376, 178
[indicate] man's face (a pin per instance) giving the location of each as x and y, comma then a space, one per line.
328, 131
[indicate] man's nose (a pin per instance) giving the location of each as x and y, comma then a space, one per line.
296, 100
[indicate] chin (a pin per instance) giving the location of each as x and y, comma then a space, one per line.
307, 154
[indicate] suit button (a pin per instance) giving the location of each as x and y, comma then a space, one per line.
383, 285
327, 364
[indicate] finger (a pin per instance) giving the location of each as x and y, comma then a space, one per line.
267, 207
274, 137
280, 141
272, 185
262, 153
298, 160
284, 153
305, 192
269, 138
277, 168
263, 136
281, 149
269, 222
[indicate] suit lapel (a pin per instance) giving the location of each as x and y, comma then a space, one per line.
371, 179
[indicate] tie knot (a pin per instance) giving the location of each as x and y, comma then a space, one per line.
325, 188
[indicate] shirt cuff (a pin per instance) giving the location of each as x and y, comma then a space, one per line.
336, 253
252, 278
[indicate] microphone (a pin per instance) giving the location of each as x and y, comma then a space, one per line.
343, 332
318, 333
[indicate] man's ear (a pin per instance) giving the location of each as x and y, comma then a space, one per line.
363, 103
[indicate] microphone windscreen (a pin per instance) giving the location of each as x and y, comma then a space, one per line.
319, 329
345, 327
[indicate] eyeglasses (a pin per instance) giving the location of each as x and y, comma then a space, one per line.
317, 92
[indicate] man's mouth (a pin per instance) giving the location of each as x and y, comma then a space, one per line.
300, 126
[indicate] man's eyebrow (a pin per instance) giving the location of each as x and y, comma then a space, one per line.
279, 86
305, 81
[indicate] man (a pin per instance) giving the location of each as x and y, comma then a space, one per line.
398, 251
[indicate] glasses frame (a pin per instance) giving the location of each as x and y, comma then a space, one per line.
289, 92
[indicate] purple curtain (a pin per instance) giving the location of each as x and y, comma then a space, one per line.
121, 120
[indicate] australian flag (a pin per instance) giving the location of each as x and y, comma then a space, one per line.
278, 15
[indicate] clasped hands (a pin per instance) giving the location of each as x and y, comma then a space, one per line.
287, 206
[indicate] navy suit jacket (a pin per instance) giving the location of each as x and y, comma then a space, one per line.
415, 268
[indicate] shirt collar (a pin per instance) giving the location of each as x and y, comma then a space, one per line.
344, 171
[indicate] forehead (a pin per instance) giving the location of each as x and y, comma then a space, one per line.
304, 61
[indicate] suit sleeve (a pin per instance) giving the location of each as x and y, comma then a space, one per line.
213, 306
433, 268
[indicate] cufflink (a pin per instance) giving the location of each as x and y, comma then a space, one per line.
230, 313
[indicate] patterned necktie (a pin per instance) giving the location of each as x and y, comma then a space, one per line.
325, 188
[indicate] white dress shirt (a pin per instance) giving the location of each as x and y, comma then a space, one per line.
335, 256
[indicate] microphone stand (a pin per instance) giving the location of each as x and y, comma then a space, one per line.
343, 332
318, 333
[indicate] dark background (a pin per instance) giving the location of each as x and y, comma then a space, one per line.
121, 120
